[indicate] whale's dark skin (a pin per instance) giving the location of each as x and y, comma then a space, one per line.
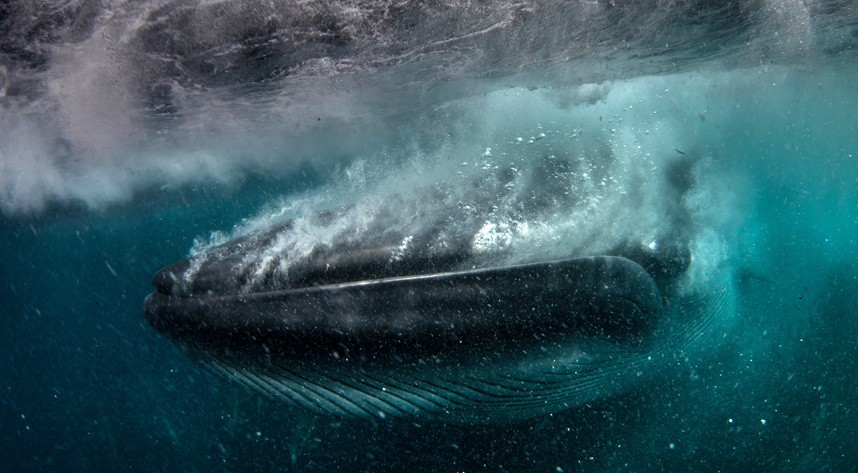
359, 323
499, 295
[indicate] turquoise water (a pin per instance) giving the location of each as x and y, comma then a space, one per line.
88, 385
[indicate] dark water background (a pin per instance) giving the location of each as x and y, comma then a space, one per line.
87, 385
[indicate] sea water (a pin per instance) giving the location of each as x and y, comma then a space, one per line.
135, 134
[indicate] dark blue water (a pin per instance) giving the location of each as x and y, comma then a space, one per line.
91, 213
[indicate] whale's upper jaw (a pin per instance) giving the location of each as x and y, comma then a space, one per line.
236, 267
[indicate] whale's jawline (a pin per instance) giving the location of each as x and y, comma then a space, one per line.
604, 296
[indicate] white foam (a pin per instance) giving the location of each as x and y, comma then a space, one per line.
82, 155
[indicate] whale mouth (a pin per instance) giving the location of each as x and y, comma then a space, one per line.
352, 331
362, 297
377, 296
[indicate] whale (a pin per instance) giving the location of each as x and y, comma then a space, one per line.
457, 302
414, 343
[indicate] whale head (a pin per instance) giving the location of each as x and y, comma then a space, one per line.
499, 298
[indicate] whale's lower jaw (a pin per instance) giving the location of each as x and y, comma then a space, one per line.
479, 345
549, 374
